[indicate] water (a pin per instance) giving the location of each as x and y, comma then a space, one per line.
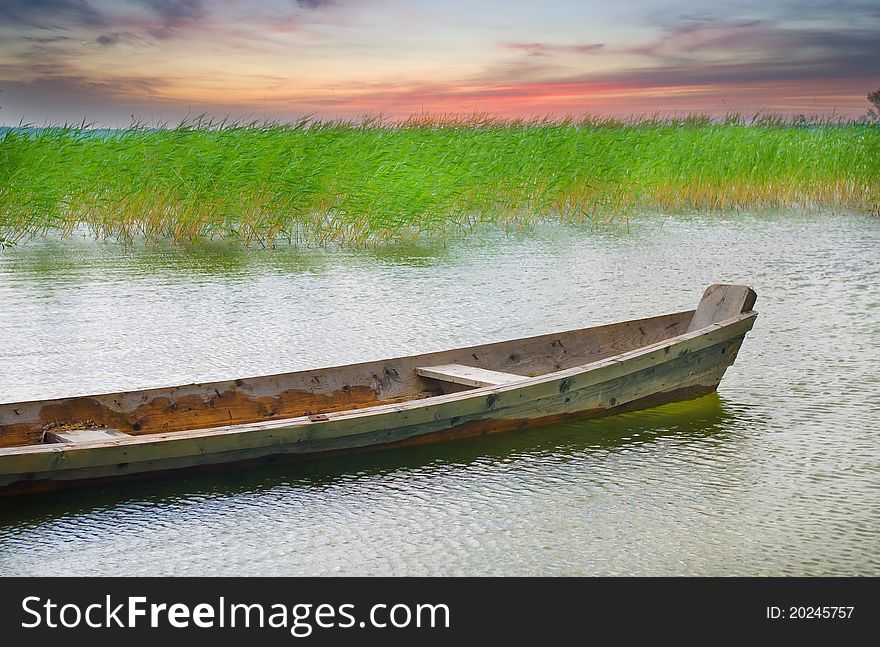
777, 474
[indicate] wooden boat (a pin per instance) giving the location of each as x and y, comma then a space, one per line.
51, 444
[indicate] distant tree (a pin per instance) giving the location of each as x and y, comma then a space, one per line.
874, 112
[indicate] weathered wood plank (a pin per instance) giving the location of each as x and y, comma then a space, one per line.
720, 302
468, 375
83, 435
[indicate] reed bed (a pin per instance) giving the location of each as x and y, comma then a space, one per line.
356, 183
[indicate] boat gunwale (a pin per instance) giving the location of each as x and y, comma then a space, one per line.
387, 408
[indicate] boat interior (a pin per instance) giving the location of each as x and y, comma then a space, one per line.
318, 392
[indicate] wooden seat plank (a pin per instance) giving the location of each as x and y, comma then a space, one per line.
83, 435
468, 375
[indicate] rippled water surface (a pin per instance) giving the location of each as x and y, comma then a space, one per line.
777, 474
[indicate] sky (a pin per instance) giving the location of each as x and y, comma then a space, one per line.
108, 62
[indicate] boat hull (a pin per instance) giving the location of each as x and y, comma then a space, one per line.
686, 366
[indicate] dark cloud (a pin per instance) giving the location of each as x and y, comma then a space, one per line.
45, 14
720, 52
314, 4
694, 36
826, 12
175, 13
58, 78
114, 38
45, 40
80, 85
108, 40
71, 97
55, 14
833, 10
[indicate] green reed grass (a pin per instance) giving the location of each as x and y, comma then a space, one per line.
353, 183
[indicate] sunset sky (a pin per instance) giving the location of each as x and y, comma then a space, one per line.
104, 61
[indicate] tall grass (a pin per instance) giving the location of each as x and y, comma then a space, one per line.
314, 182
